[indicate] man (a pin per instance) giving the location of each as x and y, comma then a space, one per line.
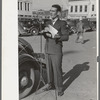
53, 50
80, 30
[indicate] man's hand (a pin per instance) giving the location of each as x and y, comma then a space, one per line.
57, 36
42, 32
45, 32
48, 35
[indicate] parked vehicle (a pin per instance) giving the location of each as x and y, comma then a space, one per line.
30, 64
72, 26
31, 27
29, 68
71, 29
89, 25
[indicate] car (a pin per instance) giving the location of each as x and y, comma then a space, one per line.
30, 27
71, 25
70, 29
89, 25
30, 66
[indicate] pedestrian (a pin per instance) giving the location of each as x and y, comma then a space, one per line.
53, 50
80, 31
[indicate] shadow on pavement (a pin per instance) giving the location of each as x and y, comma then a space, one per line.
70, 52
74, 73
68, 77
86, 40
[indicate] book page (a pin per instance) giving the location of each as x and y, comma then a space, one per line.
52, 30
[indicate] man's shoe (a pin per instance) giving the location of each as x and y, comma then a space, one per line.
43, 89
60, 93
47, 87
82, 42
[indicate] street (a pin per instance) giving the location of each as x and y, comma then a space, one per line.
79, 68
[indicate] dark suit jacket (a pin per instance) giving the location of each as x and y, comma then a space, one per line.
54, 46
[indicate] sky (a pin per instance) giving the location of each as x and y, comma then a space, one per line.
46, 4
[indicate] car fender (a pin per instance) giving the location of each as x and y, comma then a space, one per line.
26, 46
29, 59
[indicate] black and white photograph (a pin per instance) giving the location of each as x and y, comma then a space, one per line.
56, 50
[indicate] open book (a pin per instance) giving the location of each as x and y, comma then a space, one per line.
52, 30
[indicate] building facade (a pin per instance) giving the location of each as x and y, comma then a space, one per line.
41, 14
82, 8
46, 14
24, 8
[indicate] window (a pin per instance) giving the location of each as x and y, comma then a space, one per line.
28, 6
20, 5
81, 8
92, 7
21, 15
75, 8
71, 9
85, 8
25, 5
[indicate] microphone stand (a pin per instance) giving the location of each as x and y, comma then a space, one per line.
41, 71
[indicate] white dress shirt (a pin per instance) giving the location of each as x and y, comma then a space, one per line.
53, 21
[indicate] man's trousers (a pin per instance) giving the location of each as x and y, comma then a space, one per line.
54, 70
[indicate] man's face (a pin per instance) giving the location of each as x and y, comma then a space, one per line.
53, 12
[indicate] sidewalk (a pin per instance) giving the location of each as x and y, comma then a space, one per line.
80, 71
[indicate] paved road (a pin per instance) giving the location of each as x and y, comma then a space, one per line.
79, 67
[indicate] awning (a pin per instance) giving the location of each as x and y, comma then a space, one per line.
92, 19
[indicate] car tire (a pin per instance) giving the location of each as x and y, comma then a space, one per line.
34, 31
29, 75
